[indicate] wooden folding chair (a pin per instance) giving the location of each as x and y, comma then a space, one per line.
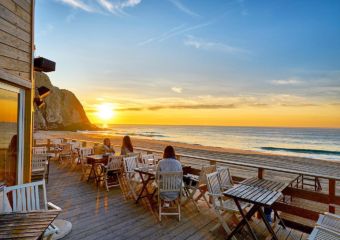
198, 185
221, 205
148, 159
39, 166
26, 198
169, 182
132, 178
85, 167
112, 171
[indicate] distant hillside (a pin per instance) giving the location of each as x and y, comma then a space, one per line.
62, 111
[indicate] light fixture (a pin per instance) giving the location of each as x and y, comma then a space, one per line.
40, 103
43, 91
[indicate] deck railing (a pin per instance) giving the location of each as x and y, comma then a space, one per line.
330, 198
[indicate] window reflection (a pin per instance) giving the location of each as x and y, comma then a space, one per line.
8, 136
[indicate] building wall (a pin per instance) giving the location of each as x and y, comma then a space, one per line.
16, 60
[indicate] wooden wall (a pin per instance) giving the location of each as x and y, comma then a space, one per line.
16, 36
16, 60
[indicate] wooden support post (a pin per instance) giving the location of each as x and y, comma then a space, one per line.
212, 162
331, 192
178, 157
84, 144
48, 145
260, 173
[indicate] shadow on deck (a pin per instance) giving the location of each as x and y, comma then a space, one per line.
98, 214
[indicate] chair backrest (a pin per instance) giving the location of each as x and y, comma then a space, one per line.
225, 178
114, 163
75, 145
170, 181
56, 141
204, 171
213, 183
130, 163
84, 152
148, 159
26, 197
39, 162
39, 150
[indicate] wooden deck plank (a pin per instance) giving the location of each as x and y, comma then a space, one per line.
98, 214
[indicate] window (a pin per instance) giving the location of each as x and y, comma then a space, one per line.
11, 134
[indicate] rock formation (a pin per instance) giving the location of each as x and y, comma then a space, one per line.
62, 111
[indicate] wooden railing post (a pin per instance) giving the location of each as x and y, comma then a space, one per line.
84, 144
260, 173
212, 162
48, 145
331, 192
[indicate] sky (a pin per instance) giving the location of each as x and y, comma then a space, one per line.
196, 62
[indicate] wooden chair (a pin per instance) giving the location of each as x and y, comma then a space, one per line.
112, 171
170, 182
199, 185
221, 205
329, 221
26, 198
225, 178
132, 178
321, 233
39, 166
148, 159
66, 153
85, 167
39, 150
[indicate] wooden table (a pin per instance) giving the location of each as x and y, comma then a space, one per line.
25, 225
147, 174
259, 192
96, 160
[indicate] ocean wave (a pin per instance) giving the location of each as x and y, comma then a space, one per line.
301, 150
142, 134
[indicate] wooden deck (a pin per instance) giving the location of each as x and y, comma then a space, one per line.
97, 214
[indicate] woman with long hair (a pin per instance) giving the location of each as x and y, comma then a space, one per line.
169, 163
126, 146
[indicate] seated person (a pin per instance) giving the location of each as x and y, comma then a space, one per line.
107, 148
126, 146
169, 163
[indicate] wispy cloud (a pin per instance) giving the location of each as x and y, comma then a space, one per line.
177, 89
289, 81
178, 30
78, 4
198, 43
180, 6
117, 7
113, 6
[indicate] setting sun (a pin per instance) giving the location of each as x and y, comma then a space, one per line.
105, 111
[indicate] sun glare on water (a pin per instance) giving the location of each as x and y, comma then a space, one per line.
106, 112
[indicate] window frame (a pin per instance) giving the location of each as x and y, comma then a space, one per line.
21, 128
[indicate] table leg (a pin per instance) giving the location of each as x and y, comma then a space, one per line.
145, 182
270, 229
91, 173
245, 219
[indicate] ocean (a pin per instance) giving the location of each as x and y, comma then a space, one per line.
319, 143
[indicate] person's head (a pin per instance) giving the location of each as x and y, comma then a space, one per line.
127, 143
107, 142
169, 152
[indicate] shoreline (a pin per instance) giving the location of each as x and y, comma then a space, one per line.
141, 142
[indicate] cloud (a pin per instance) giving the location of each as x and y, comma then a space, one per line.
177, 89
181, 29
117, 7
290, 81
192, 106
78, 4
180, 6
197, 43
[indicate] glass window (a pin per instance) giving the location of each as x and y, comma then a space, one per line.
9, 112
